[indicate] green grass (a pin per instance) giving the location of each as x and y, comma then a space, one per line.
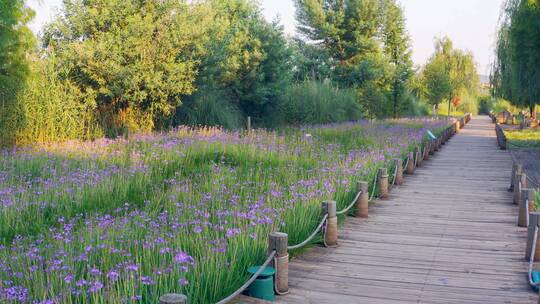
528, 138
214, 195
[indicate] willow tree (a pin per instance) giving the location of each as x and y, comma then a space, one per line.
516, 73
449, 74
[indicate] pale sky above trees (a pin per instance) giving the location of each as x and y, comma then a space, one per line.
471, 24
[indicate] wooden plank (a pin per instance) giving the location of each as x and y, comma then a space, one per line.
448, 235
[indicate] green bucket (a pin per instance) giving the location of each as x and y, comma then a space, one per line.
263, 286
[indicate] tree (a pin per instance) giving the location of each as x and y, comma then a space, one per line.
135, 58
449, 74
397, 47
247, 63
16, 41
516, 74
368, 44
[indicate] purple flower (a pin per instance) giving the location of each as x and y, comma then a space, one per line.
232, 232
183, 282
113, 275
68, 278
147, 280
182, 257
95, 286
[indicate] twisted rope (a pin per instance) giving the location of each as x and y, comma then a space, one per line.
374, 187
533, 182
406, 163
351, 205
313, 234
394, 179
253, 277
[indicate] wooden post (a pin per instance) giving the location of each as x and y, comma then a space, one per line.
512, 176
534, 220
522, 178
399, 171
457, 126
331, 232
431, 147
517, 184
531, 196
410, 164
426, 151
173, 298
248, 127
278, 241
419, 156
383, 183
523, 208
363, 200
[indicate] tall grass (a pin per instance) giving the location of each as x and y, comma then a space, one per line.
313, 102
49, 109
186, 211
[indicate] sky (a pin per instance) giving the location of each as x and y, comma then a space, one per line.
471, 24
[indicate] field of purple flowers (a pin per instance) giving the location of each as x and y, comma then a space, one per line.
125, 221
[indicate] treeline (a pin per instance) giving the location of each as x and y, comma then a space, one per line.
516, 72
111, 67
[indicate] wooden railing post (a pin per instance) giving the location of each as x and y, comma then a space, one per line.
512, 177
419, 157
383, 183
279, 241
523, 208
248, 124
331, 231
362, 204
399, 171
522, 184
173, 298
517, 184
426, 150
410, 164
534, 221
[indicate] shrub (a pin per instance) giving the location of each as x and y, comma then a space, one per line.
49, 109
313, 102
209, 107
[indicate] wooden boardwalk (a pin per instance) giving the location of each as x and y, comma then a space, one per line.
448, 235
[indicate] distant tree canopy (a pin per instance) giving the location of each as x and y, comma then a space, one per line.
369, 47
111, 67
449, 74
516, 72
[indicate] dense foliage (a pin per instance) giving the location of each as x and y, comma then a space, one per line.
369, 47
111, 68
516, 72
15, 42
449, 75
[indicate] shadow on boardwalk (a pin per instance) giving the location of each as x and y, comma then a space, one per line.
448, 235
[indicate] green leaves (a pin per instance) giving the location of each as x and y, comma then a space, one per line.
449, 73
516, 75
140, 57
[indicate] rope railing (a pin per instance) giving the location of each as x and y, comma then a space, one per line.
374, 187
311, 236
533, 182
345, 210
394, 177
251, 279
